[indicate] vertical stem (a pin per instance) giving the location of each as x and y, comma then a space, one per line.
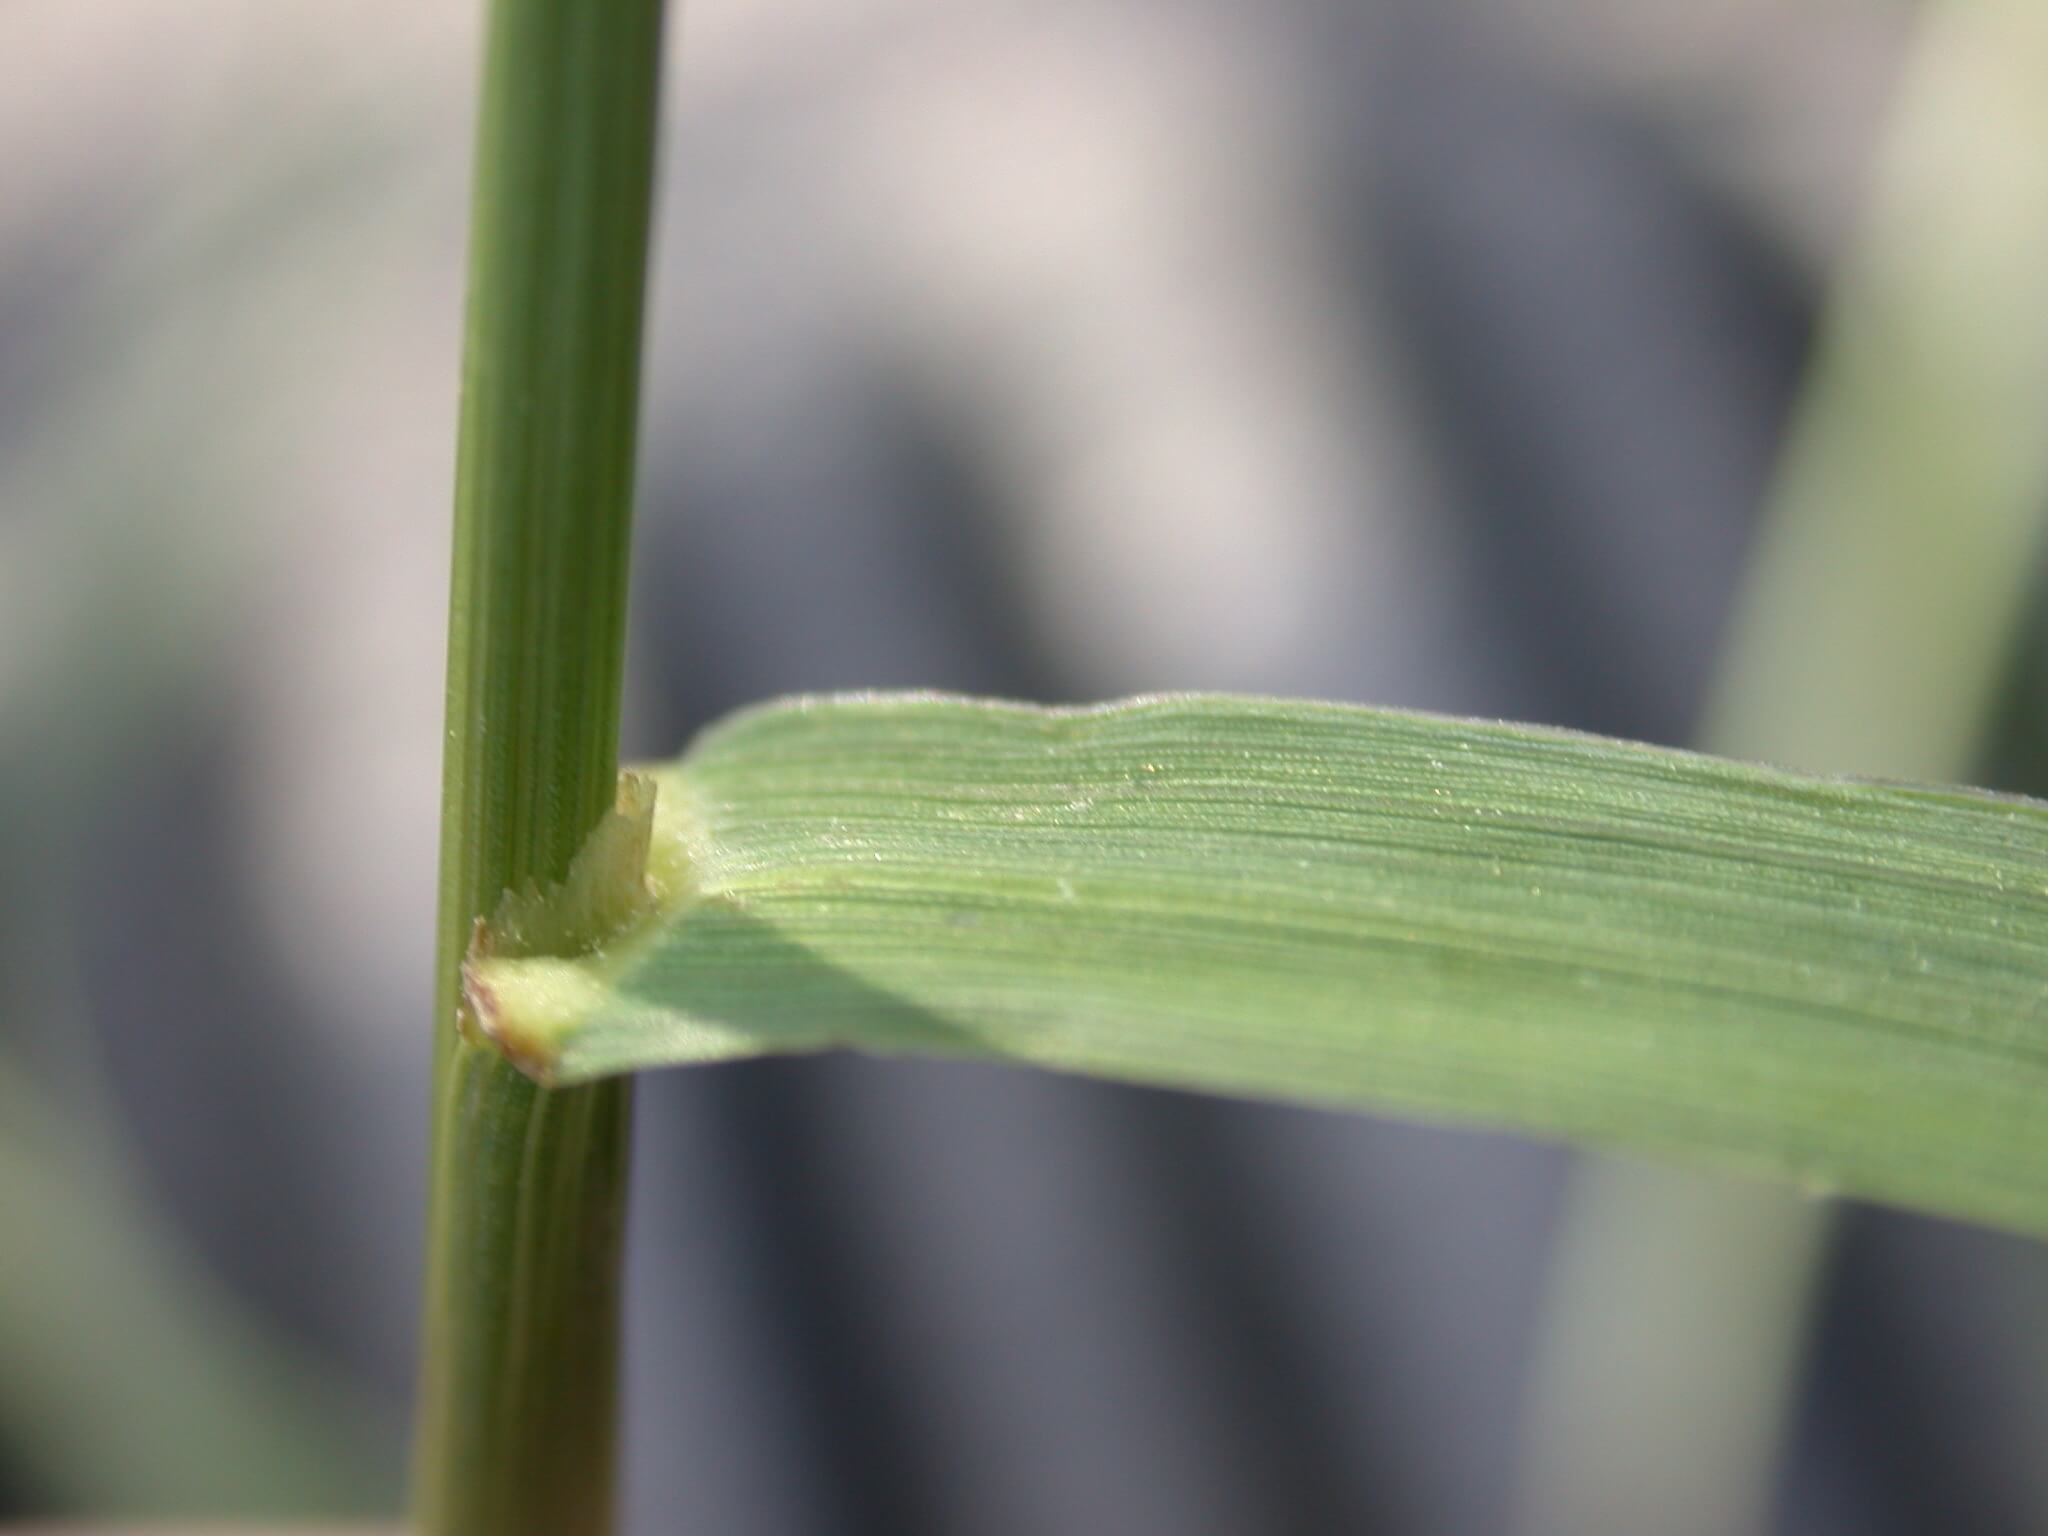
516, 1411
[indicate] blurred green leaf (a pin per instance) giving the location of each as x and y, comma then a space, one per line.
136, 1383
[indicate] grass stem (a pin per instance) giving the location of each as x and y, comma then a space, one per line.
515, 1431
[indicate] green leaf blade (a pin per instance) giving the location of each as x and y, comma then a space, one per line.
1843, 983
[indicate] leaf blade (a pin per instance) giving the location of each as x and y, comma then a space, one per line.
1835, 981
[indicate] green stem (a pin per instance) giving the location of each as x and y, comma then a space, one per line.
517, 1393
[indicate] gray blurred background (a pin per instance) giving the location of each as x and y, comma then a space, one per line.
1425, 352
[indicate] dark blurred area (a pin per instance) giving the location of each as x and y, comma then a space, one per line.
1422, 352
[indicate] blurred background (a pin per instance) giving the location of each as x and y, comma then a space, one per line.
1471, 355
